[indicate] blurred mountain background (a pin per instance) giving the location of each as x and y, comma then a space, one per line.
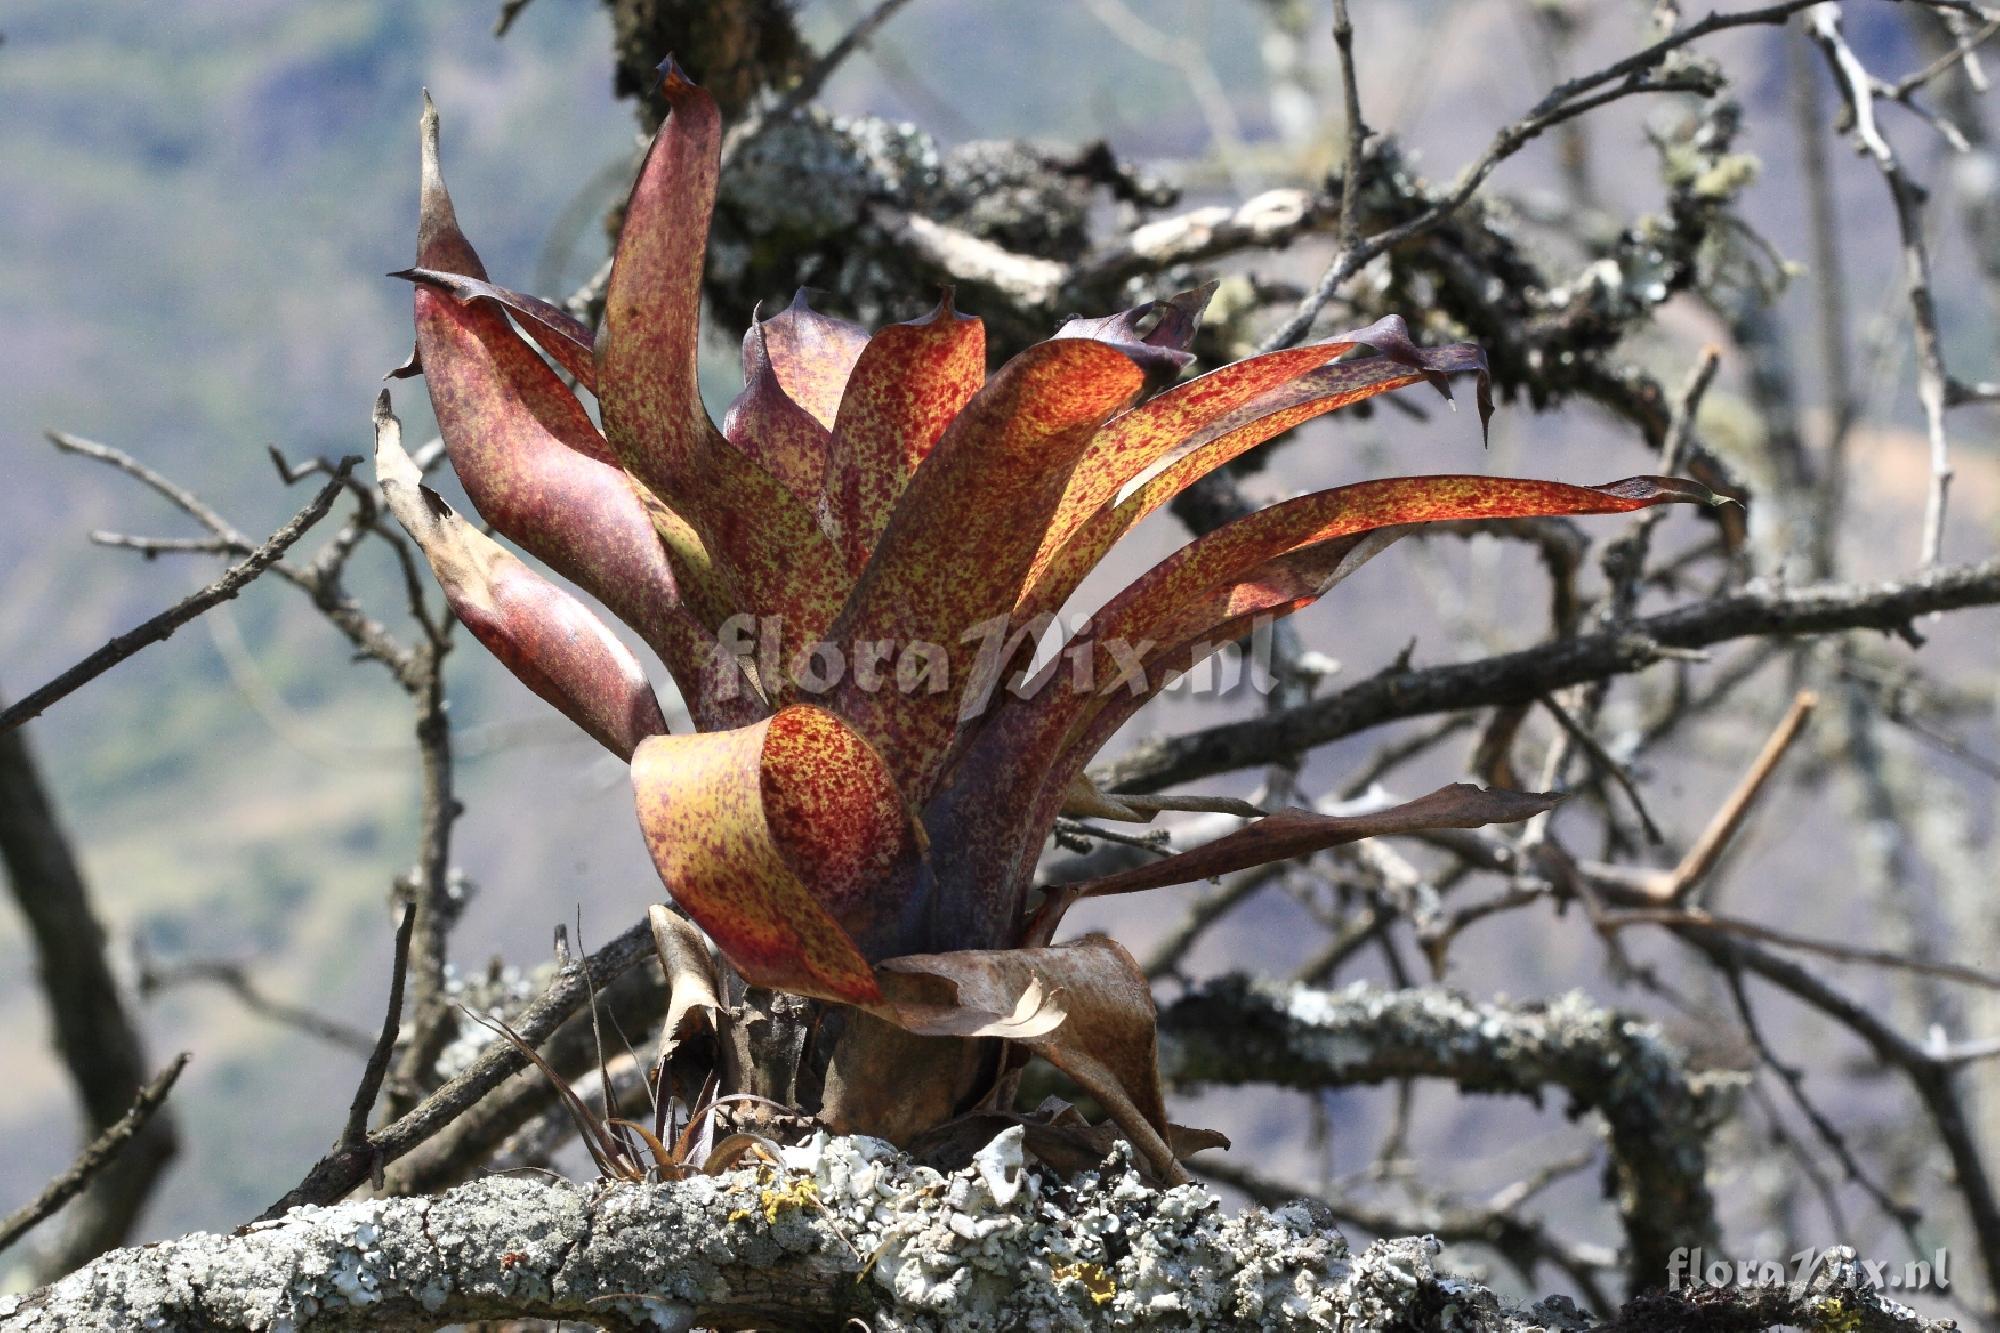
197, 204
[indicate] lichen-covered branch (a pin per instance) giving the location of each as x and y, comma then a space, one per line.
1521, 677
1234, 1031
844, 1229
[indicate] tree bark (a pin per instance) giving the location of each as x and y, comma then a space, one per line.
96, 1038
846, 1229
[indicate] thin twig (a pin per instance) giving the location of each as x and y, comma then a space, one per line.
813, 79
1610, 767
1562, 103
164, 624
1933, 380
372, 1074
235, 978
1694, 918
103, 1150
1701, 858
175, 494
349, 1164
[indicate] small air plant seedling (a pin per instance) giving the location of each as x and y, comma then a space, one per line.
856, 816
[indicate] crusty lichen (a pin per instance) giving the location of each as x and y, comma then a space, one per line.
1656, 1116
843, 1227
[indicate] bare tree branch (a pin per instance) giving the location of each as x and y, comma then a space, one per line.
102, 1152
171, 619
1520, 677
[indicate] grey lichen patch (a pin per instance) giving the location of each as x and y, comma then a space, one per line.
1655, 1115
840, 1229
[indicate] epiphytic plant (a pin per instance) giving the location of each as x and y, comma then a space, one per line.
868, 838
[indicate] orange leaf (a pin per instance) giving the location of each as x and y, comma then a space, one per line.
907, 385
1209, 593
1136, 440
1268, 415
770, 836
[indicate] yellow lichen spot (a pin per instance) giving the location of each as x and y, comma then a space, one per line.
799, 1193
1094, 1277
1834, 1315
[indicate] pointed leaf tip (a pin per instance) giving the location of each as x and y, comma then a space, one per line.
440, 242
672, 77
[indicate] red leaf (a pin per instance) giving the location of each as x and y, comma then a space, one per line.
532, 463
813, 354
543, 635
962, 537
1290, 833
647, 374
909, 383
766, 424
556, 331
767, 551
1156, 334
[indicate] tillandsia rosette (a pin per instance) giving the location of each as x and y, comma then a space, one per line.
839, 579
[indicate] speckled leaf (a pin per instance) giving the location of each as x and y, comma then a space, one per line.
648, 349
531, 461
1140, 438
962, 538
771, 837
1279, 559
556, 331
1289, 833
910, 382
813, 355
1196, 587
766, 424
1209, 593
546, 637
768, 554
1268, 415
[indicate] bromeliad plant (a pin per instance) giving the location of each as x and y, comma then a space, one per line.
868, 837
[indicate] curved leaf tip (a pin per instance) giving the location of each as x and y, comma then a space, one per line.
553, 643
770, 836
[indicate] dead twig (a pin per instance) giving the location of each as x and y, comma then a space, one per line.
1701, 858
385, 1044
164, 624
103, 1150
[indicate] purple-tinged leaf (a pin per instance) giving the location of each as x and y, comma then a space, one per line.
562, 335
546, 637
